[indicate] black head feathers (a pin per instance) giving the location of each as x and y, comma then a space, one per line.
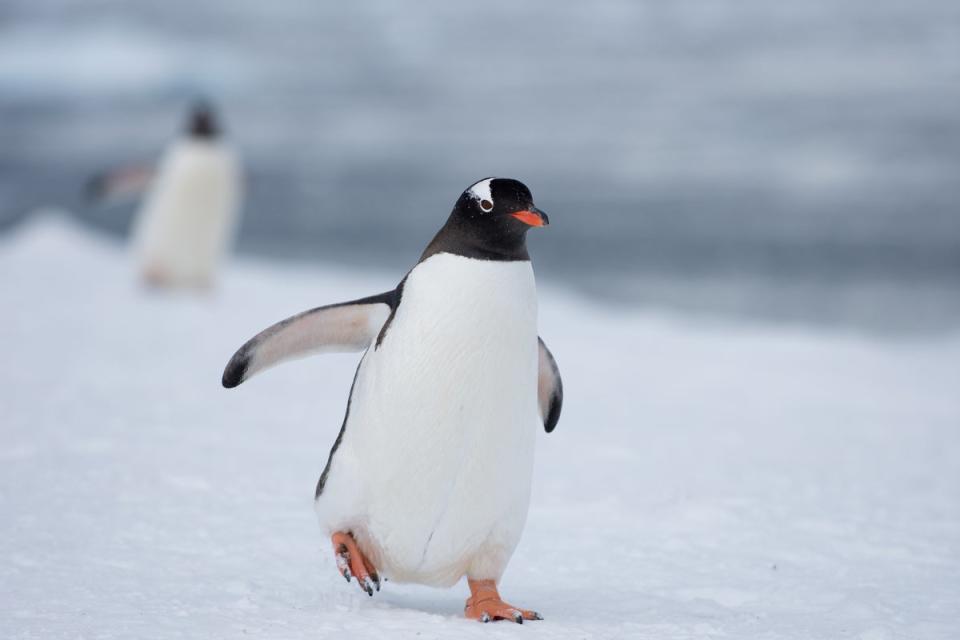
490, 221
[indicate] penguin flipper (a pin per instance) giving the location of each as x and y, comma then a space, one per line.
343, 327
549, 388
119, 182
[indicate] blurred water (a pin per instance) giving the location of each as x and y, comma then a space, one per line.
795, 161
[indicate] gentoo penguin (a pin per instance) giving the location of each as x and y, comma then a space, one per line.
189, 214
429, 478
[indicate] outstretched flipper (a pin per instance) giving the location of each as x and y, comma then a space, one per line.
348, 326
119, 182
549, 389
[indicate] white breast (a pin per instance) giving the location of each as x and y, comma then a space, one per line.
433, 473
188, 217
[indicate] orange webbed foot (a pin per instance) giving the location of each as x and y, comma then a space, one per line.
351, 563
485, 604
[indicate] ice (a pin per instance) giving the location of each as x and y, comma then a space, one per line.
705, 480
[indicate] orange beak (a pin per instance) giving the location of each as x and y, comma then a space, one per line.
532, 216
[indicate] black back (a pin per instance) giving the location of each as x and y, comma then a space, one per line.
485, 228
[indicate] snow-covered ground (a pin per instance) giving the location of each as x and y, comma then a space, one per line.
706, 480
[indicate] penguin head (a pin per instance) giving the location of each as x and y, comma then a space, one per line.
202, 122
489, 221
500, 204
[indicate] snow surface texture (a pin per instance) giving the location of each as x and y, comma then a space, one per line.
704, 481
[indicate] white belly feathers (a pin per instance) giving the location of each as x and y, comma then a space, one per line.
188, 217
433, 473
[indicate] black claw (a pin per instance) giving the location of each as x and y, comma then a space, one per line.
346, 574
537, 616
376, 580
518, 618
484, 617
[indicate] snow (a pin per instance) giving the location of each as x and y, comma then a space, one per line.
705, 480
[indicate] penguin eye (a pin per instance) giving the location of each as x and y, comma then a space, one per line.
486, 205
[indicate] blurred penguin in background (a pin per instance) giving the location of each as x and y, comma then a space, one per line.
188, 217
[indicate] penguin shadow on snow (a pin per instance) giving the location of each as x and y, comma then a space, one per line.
415, 599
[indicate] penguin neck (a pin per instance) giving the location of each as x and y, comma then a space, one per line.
459, 237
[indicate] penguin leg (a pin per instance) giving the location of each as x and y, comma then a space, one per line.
485, 604
352, 563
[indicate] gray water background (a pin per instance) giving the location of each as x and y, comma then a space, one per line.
796, 162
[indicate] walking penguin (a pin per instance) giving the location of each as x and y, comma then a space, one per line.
429, 478
188, 217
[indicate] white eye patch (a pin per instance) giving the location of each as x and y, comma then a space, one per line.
481, 193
